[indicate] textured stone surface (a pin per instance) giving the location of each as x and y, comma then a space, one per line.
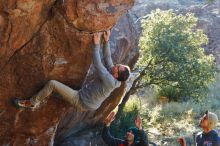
47, 39
209, 20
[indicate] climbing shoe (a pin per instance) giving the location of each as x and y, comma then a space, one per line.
23, 103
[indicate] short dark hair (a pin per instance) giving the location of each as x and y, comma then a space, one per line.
124, 75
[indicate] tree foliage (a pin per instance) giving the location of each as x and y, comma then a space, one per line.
211, 1
171, 55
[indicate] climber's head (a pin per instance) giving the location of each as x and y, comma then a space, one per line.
120, 72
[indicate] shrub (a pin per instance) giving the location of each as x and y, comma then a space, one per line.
126, 120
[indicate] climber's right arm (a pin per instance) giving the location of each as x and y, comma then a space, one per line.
96, 56
106, 50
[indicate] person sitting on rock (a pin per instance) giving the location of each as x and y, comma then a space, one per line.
91, 95
209, 137
135, 136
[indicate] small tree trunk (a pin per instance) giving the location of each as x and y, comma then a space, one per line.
133, 89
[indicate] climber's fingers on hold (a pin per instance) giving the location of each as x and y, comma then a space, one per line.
107, 32
97, 33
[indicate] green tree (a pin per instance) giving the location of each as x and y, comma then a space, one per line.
211, 1
172, 57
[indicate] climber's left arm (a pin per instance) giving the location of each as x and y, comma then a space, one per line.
100, 68
106, 50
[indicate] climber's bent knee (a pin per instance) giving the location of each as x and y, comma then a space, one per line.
52, 82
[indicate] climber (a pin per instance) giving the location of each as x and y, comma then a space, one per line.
135, 136
209, 137
91, 95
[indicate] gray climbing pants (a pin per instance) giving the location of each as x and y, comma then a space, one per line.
68, 94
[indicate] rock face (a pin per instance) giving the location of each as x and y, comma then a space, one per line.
42, 40
209, 20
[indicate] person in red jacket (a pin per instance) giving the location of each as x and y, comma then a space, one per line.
130, 137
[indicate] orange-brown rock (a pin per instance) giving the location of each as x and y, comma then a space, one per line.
47, 39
